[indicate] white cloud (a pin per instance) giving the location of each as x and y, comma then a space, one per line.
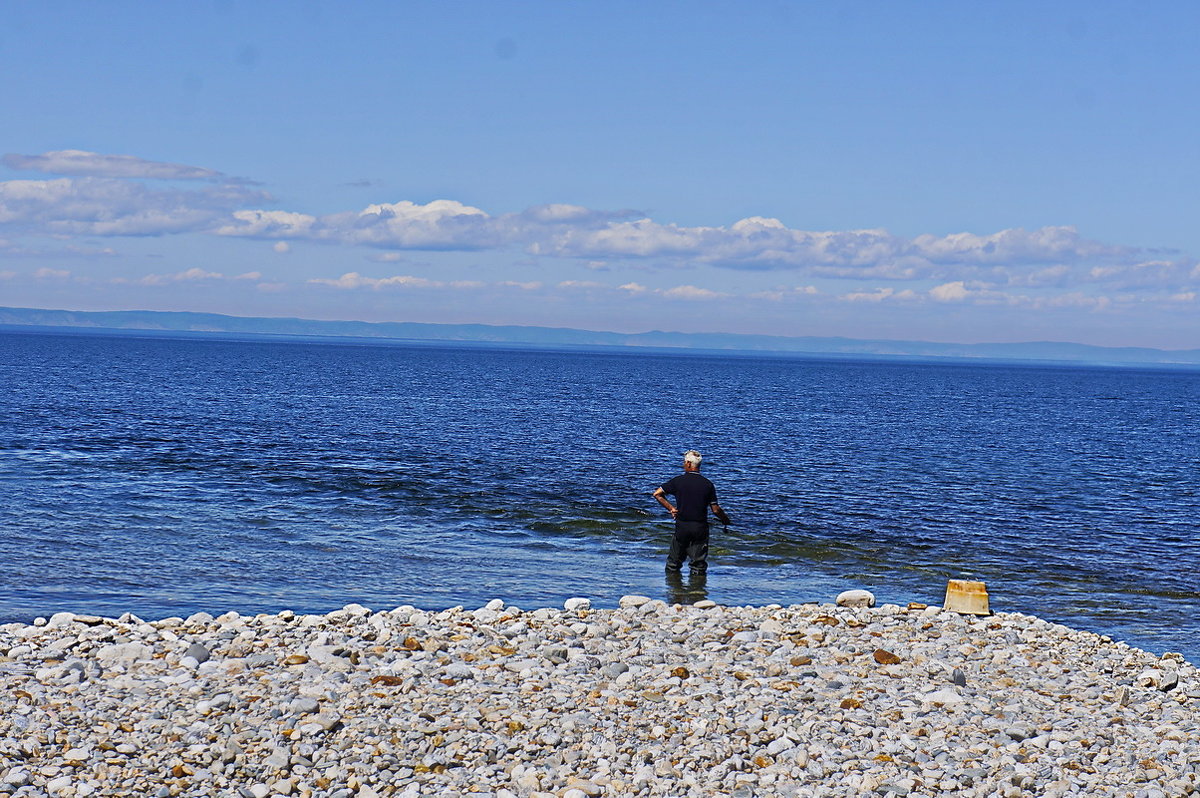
7, 275
269, 224
282, 247
761, 243
407, 281
753, 243
81, 163
782, 293
354, 280
949, 292
1048, 276
1074, 299
686, 292
557, 213
1046, 244
963, 292
585, 284
440, 224
878, 295
187, 276
107, 207
691, 292
882, 295
1145, 274
193, 275
51, 274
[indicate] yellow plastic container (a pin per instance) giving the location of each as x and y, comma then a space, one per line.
970, 598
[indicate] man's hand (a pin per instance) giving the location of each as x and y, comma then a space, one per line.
661, 497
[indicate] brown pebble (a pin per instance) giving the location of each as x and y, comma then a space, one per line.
886, 657
387, 681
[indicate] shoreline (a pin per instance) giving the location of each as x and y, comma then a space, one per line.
644, 699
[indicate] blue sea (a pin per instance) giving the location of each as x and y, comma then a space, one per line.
166, 476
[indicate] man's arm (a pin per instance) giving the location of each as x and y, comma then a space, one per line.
719, 513
661, 496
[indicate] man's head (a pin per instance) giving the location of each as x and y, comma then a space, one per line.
691, 460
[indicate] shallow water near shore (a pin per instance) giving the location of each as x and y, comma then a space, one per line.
168, 476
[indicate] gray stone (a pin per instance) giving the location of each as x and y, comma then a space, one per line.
198, 652
855, 598
17, 777
943, 696
58, 784
615, 669
327, 722
1020, 731
889, 788
459, 671
60, 619
555, 653
279, 759
123, 653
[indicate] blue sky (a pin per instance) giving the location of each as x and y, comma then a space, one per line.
939, 171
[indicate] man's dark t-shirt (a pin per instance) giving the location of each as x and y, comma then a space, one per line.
693, 494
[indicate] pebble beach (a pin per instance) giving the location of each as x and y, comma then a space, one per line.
645, 699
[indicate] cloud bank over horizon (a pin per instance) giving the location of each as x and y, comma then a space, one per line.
113, 198
91, 197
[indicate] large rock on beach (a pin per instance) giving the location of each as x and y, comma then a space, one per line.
647, 699
855, 598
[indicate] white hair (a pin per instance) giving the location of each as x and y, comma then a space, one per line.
692, 456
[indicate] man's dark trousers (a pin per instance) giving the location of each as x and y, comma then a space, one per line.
691, 544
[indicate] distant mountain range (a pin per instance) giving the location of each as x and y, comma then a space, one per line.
162, 322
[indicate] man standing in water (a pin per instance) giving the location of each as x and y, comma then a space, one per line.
694, 495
